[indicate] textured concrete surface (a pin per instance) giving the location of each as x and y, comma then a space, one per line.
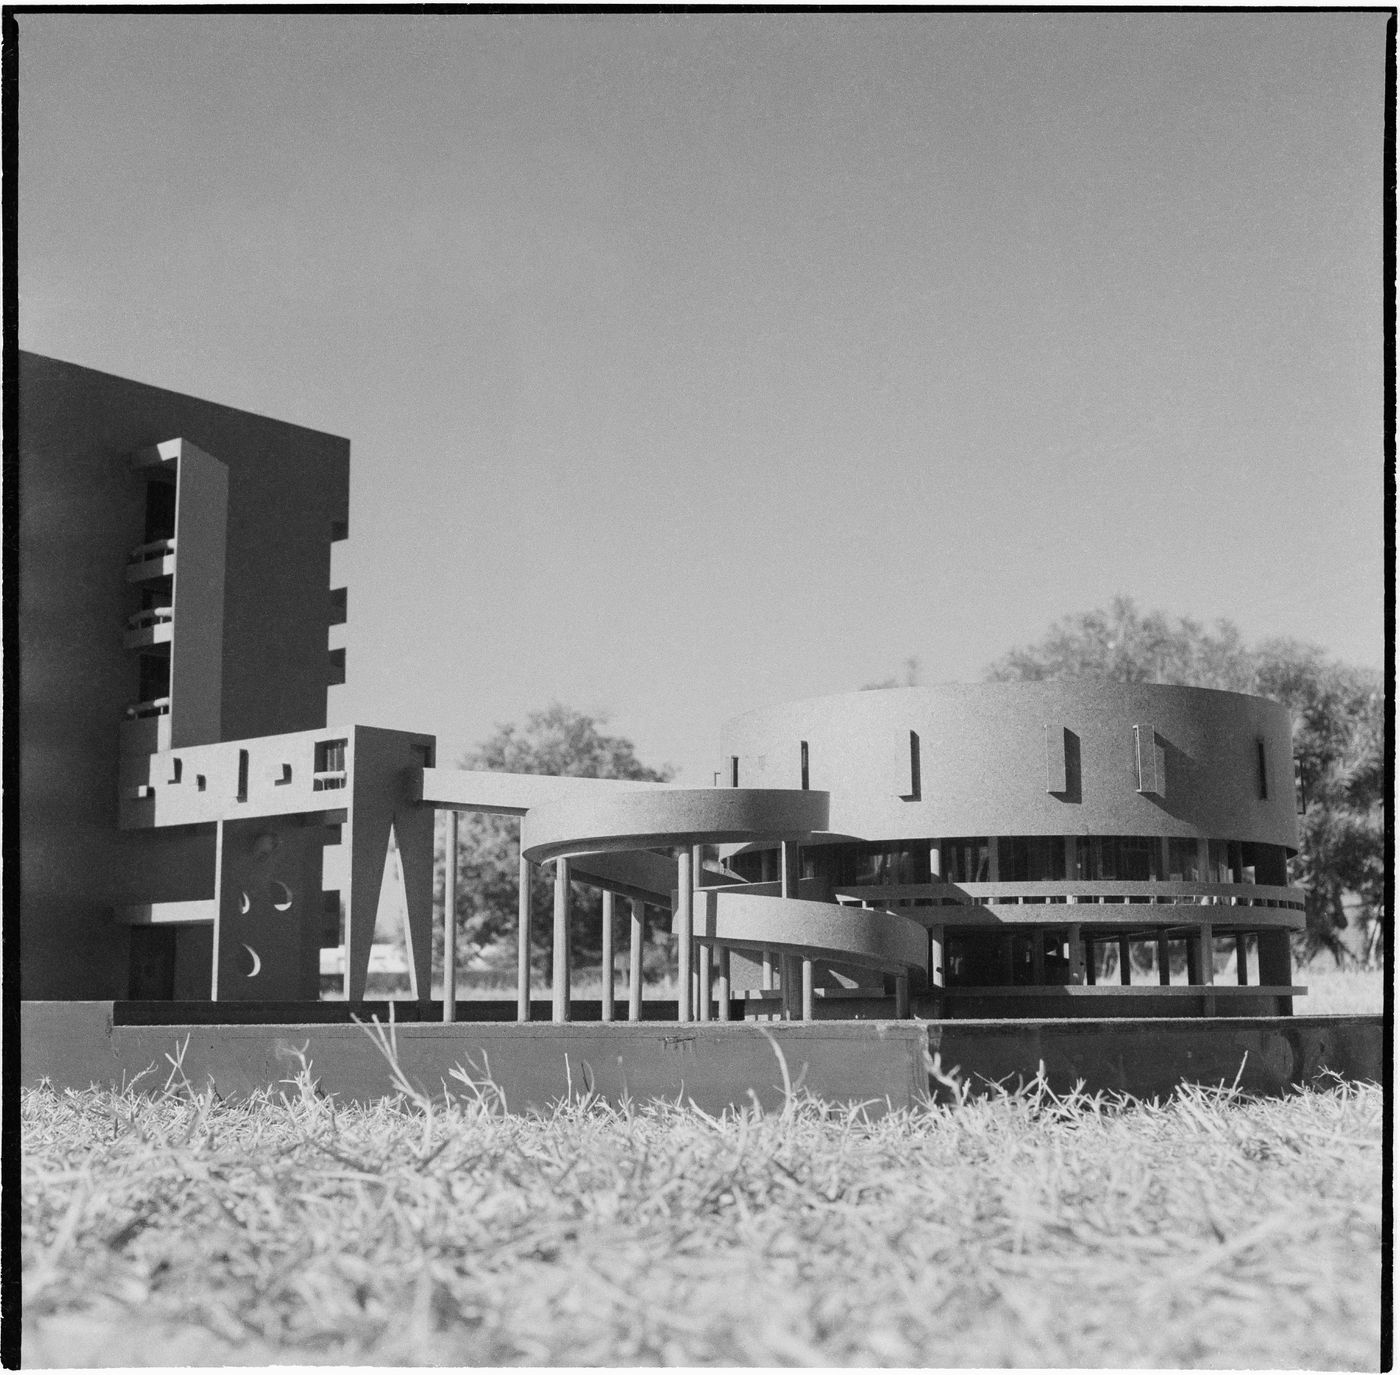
634, 820
716, 1064
83, 512
983, 766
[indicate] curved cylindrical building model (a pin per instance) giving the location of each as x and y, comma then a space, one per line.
1027, 849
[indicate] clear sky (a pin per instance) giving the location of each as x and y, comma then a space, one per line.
697, 362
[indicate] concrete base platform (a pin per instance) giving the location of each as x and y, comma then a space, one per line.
717, 1065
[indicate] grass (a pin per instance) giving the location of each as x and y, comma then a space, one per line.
1334, 990
1025, 1230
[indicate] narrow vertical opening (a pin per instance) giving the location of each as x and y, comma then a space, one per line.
1261, 759
915, 781
1056, 764
242, 794
733, 770
160, 509
805, 774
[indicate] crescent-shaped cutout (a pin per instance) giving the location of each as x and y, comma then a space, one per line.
257, 961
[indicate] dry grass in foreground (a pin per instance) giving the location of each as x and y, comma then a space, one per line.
1023, 1230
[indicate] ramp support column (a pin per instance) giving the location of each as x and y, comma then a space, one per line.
449, 920
522, 969
561, 940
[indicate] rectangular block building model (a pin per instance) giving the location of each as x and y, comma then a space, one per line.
191, 828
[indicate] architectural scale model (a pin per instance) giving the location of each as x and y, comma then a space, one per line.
192, 829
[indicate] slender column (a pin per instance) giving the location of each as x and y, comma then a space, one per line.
1125, 961
522, 961
699, 962
1076, 955
634, 968
1091, 962
561, 940
685, 933
935, 968
1275, 956
449, 920
901, 995
768, 983
1241, 958
608, 957
790, 980
791, 868
707, 991
808, 992
1193, 958
1205, 965
722, 990
1164, 960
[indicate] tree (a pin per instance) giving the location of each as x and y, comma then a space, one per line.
1338, 739
911, 678
557, 740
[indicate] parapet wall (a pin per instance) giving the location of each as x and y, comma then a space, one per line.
1063, 758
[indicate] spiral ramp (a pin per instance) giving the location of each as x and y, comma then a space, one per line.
728, 917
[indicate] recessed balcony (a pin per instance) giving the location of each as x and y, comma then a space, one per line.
153, 626
145, 727
157, 706
154, 559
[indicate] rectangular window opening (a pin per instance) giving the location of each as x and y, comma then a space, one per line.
160, 509
805, 773
1183, 860
733, 770
242, 794
915, 780
1056, 763
328, 761
1151, 768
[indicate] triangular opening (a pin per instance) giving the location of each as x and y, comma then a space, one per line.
391, 959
